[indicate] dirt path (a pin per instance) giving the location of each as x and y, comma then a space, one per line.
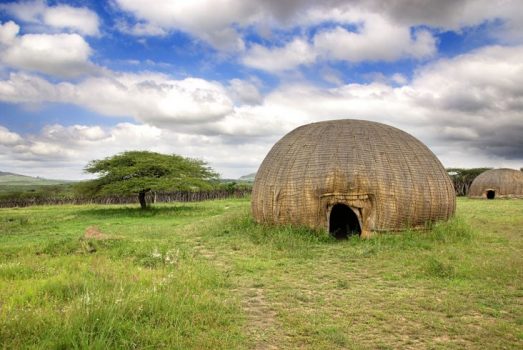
262, 326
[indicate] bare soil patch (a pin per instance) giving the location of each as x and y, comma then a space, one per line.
93, 232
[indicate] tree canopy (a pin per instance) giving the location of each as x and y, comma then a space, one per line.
462, 178
138, 172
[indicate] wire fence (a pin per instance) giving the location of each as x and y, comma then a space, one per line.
151, 197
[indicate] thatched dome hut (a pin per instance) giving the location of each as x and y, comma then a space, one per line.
351, 176
497, 183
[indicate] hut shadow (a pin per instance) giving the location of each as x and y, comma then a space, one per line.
137, 212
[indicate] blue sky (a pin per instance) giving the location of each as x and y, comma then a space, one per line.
222, 80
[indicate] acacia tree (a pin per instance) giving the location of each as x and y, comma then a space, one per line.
462, 178
138, 172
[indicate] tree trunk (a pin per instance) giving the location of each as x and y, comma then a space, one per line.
141, 198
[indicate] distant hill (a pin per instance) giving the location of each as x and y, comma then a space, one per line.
249, 177
15, 180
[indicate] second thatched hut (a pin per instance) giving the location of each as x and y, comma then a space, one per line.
497, 183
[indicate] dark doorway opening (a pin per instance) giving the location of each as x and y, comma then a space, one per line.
343, 222
491, 194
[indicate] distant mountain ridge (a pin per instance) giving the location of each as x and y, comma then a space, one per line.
3, 173
249, 177
12, 179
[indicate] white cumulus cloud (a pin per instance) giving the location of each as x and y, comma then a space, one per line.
298, 52
64, 55
245, 92
210, 21
376, 39
60, 17
8, 32
154, 98
81, 20
147, 97
8, 138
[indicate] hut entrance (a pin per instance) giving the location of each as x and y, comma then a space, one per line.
343, 222
491, 194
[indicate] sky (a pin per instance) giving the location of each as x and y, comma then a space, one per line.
223, 80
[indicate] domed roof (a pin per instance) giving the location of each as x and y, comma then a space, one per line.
386, 176
500, 182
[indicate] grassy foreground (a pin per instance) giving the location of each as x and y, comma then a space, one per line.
204, 276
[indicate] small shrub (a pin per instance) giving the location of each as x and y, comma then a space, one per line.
342, 284
439, 269
64, 246
453, 230
15, 271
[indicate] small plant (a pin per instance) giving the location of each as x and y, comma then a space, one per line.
453, 230
437, 268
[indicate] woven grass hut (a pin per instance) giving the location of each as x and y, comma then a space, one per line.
497, 183
351, 177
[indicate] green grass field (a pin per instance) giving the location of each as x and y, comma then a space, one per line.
204, 276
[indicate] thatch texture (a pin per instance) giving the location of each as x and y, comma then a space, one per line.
388, 178
498, 183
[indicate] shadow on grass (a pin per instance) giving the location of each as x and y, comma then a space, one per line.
454, 231
137, 212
